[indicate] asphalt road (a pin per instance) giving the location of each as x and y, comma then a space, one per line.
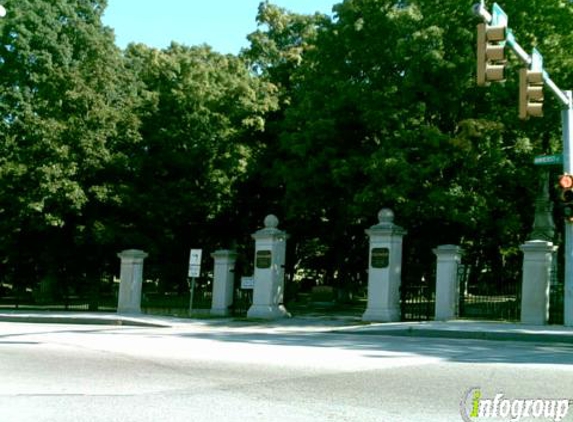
88, 373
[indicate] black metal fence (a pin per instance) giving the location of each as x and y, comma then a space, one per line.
54, 296
242, 301
153, 301
487, 296
177, 303
417, 303
418, 295
27, 301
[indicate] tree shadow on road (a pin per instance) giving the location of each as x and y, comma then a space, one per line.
448, 349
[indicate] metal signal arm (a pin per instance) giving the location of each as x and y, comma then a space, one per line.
480, 11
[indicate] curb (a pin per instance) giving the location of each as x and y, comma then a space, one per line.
87, 320
485, 331
467, 334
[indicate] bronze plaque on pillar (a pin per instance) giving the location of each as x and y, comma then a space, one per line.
380, 258
263, 259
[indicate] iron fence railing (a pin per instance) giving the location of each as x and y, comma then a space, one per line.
488, 297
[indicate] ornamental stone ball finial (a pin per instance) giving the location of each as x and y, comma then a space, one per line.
271, 221
386, 216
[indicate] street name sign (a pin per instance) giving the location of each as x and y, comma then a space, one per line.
548, 160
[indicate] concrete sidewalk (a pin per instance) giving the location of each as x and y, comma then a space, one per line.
87, 318
463, 329
466, 329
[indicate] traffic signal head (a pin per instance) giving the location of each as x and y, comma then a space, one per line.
568, 212
566, 181
530, 94
566, 196
490, 54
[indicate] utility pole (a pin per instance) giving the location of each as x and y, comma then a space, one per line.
530, 103
567, 128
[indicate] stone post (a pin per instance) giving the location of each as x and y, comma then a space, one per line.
537, 262
131, 278
270, 250
385, 266
447, 282
223, 282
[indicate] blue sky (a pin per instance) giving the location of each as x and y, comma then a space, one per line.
223, 24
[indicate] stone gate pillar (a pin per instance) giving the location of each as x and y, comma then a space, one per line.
447, 282
537, 263
385, 266
131, 278
223, 282
270, 251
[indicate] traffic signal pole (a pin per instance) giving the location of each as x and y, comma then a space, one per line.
567, 128
566, 100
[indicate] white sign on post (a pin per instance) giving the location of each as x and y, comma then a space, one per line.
248, 283
195, 262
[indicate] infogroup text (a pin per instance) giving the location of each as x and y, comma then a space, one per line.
474, 407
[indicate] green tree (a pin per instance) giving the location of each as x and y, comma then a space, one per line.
278, 50
201, 112
278, 47
385, 112
65, 101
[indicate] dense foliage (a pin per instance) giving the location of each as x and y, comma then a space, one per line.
322, 121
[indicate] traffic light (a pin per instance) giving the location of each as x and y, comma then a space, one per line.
530, 93
566, 196
490, 54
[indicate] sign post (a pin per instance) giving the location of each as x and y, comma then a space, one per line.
194, 272
567, 130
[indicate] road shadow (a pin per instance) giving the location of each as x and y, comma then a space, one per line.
449, 349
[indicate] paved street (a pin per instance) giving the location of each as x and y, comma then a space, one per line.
101, 373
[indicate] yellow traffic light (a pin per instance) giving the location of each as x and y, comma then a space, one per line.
490, 54
530, 94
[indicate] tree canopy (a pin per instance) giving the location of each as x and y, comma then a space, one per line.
384, 111
65, 105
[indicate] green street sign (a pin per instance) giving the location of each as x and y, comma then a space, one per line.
548, 160
499, 17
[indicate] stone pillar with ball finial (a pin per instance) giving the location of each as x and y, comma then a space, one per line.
385, 266
270, 252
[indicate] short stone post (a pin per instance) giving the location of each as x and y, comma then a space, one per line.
447, 282
270, 251
223, 282
385, 266
537, 262
131, 278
